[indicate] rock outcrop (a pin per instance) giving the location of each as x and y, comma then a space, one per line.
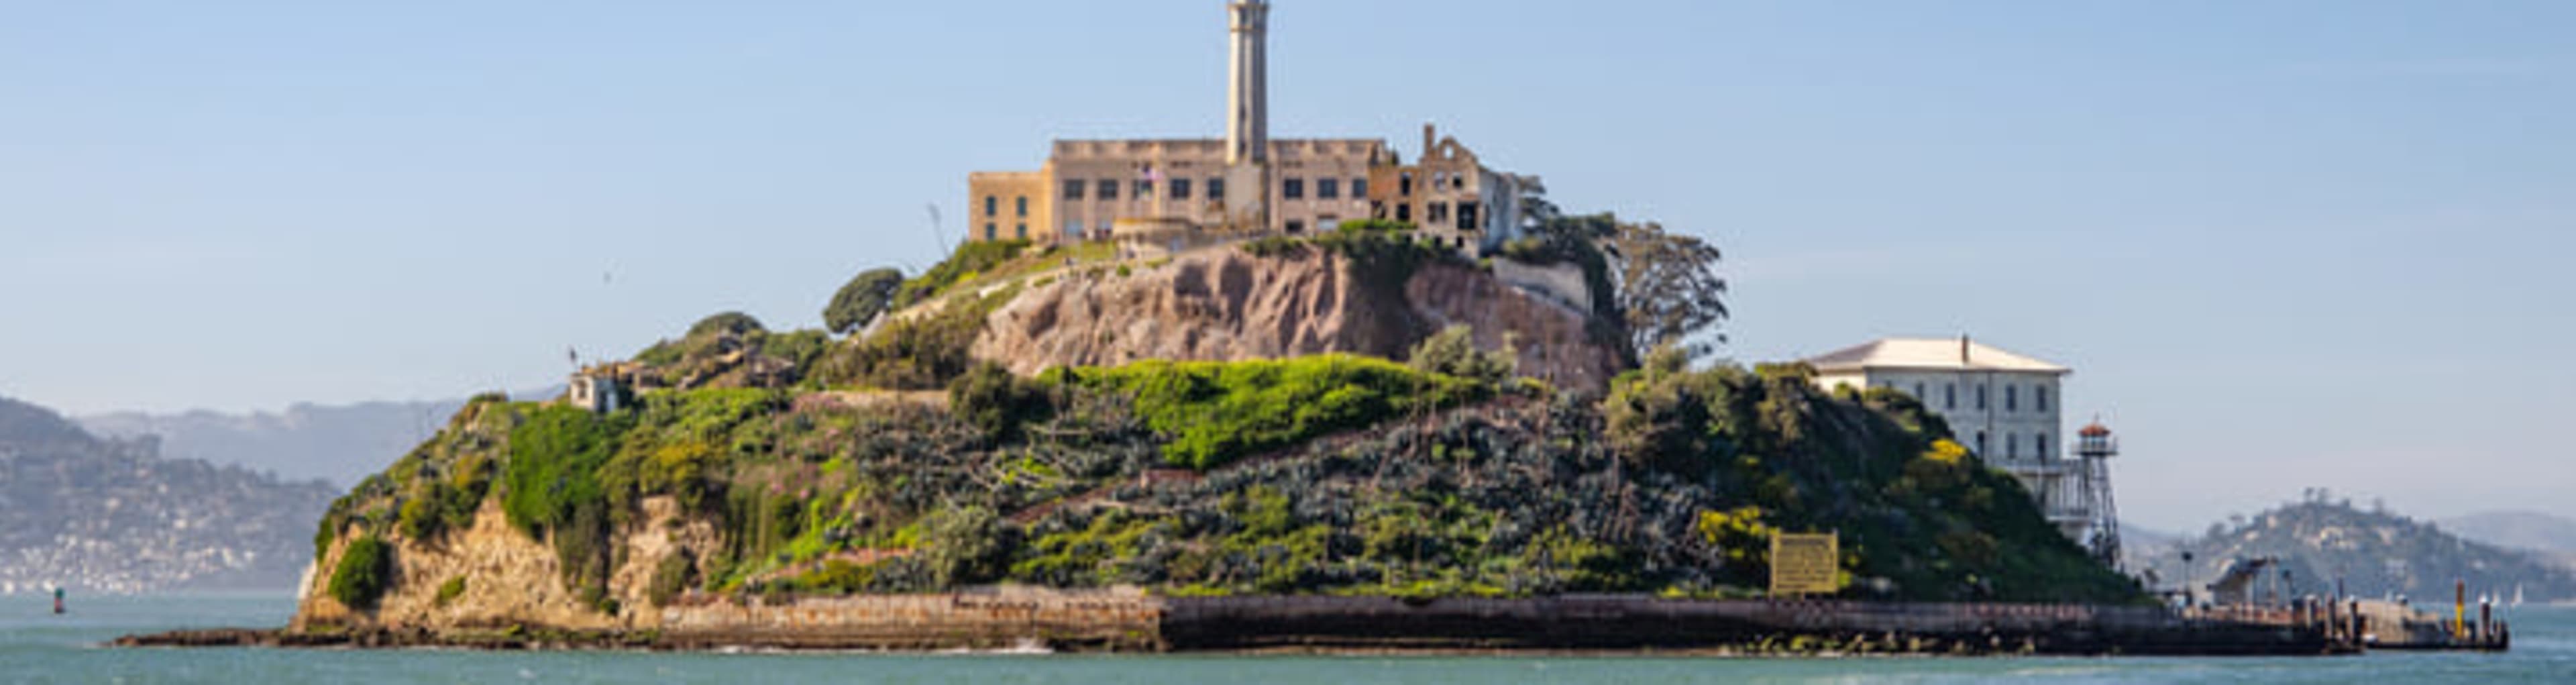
1226, 305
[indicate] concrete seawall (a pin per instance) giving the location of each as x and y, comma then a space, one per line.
1119, 620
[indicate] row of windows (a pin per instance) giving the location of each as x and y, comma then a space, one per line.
2012, 445
993, 205
994, 231
2012, 396
1179, 189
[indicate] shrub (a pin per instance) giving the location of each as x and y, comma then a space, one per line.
1216, 412
862, 299
365, 571
992, 399
1453, 352
450, 590
674, 575
964, 545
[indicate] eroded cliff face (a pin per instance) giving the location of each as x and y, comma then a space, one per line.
1227, 305
510, 578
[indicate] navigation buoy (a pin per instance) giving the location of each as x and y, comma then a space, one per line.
58, 600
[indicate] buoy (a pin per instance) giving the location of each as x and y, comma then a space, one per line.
58, 600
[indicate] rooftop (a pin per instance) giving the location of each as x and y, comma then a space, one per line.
1945, 354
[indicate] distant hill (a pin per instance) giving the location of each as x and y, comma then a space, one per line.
2518, 529
112, 515
336, 443
2375, 553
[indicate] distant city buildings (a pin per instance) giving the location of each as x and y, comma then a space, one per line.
1174, 193
2003, 406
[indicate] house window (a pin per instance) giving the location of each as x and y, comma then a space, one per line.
1108, 189
1180, 189
1023, 202
1949, 396
1981, 398
1404, 184
1981, 443
1328, 189
2012, 446
1918, 392
2039, 397
1216, 189
1404, 212
1295, 226
1467, 216
2012, 397
1022, 230
1292, 189
1436, 213
992, 232
992, 205
1073, 189
1359, 187
1144, 187
2039, 444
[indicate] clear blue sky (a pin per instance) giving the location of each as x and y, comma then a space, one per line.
2283, 243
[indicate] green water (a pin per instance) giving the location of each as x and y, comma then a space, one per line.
38, 647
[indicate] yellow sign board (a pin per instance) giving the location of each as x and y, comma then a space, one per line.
1804, 563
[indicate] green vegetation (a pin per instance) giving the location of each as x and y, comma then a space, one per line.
860, 301
971, 259
923, 352
1216, 412
365, 570
450, 590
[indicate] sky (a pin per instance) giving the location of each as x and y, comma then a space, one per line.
2282, 244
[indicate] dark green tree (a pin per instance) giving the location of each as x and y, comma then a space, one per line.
860, 301
1669, 290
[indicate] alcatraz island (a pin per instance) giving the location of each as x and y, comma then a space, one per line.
1267, 394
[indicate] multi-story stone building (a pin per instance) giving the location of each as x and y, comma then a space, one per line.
2003, 406
1246, 183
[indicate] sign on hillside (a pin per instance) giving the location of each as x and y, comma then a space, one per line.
1803, 563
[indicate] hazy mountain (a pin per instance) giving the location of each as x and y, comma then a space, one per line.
112, 515
336, 443
2375, 553
2522, 529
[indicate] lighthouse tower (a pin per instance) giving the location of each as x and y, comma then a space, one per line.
2094, 448
1247, 118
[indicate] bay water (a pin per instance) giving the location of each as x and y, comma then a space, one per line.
39, 647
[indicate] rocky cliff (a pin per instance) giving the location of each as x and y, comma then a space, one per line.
1228, 304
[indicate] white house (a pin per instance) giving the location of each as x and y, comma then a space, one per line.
2003, 406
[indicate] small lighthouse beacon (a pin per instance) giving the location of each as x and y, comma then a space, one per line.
2094, 448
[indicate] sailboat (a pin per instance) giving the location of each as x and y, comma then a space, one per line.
2517, 595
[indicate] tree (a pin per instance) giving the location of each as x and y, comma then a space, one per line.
1669, 289
1452, 351
862, 299
736, 323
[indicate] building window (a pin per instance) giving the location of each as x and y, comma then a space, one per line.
1295, 226
1981, 398
1436, 213
1216, 189
1023, 202
1328, 189
1292, 189
992, 205
1918, 392
1073, 189
1359, 187
992, 232
1949, 396
2012, 398
2039, 444
1144, 188
2012, 446
1180, 189
1467, 216
1108, 189
1404, 213
1404, 184
1021, 230
2039, 398
1073, 228
1981, 443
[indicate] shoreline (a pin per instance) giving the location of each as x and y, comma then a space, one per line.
1595, 625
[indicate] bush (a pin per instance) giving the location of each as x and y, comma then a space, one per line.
1453, 352
992, 399
862, 299
674, 575
918, 353
964, 545
365, 571
450, 590
1216, 412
